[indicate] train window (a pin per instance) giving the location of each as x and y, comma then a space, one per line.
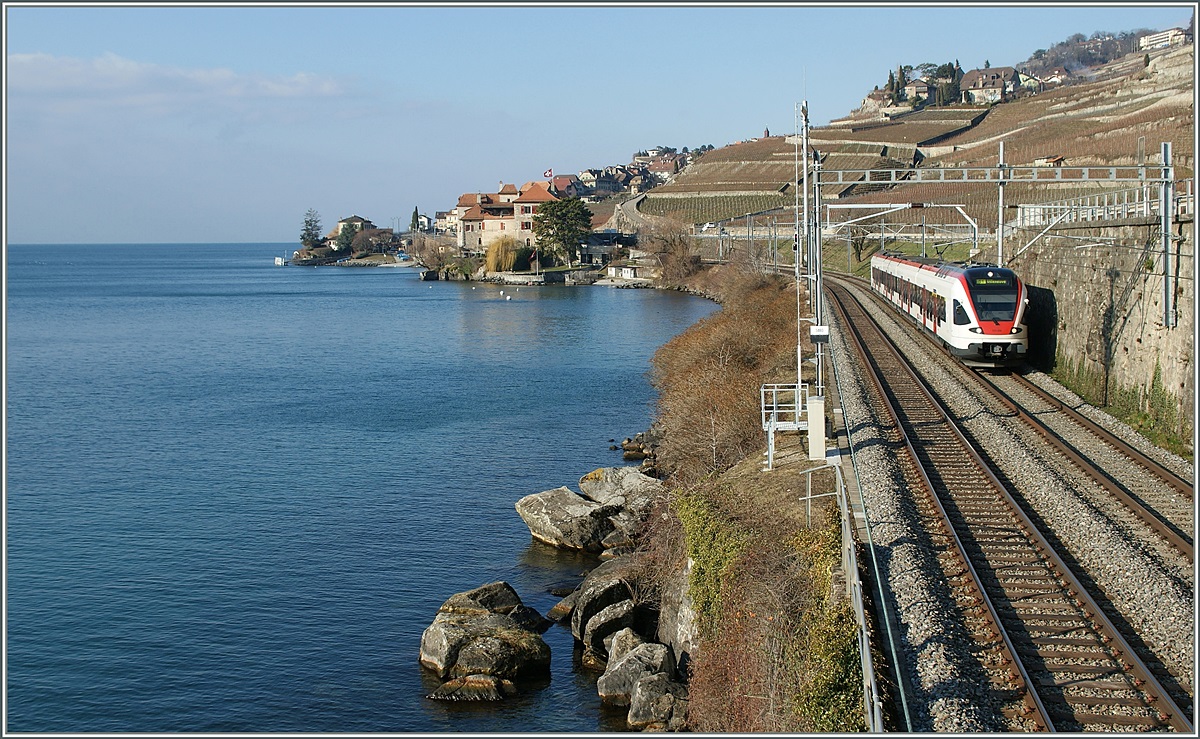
960, 315
995, 305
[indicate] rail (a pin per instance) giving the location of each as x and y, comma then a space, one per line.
1028, 579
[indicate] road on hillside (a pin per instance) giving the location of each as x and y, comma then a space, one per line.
627, 214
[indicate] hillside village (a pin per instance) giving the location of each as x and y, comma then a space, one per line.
919, 116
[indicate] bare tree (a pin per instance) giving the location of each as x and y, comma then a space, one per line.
677, 252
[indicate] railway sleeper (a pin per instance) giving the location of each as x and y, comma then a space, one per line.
1041, 583
1076, 618
1067, 608
1073, 682
1107, 700
1047, 631
1096, 653
1074, 668
1094, 719
1068, 641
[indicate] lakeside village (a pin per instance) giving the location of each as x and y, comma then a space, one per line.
582, 228
561, 229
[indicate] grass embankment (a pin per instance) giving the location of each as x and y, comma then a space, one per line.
777, 648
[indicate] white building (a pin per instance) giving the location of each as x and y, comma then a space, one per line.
1163, 39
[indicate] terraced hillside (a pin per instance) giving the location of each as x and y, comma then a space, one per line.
1096, 123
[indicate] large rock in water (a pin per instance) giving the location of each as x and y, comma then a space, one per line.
604, 586
623, 486
657, 702
616, 685
631, 491
486, 631
563, 518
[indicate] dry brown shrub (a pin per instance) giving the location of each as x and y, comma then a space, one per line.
709, 377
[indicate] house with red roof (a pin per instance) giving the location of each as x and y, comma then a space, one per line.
483, 218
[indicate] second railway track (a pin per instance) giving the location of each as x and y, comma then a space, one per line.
1055, 659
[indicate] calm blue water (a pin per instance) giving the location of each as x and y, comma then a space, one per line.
237, 493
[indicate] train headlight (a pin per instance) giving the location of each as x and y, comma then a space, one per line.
975, 330
1016, 330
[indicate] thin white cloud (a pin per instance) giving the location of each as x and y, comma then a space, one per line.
68, 84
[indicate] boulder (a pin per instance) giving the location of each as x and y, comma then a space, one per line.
604, 586
566, 519
677, 619
621, 643
657, 702
509, 653
486, 631
633, 492
562, 610
625, 487
617, 683
474, 688
497, 597
605, 623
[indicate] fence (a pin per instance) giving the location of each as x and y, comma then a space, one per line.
872, 702
1131, 203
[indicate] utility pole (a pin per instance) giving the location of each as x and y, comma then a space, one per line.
1000, 215
1166, 206
803, 144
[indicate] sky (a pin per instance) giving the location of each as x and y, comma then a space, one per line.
225, 123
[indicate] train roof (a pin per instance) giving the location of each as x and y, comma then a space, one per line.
937, 263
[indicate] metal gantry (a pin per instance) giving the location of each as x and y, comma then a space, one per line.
1163, 176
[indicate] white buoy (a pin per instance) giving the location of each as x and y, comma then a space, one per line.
501, 292
508, 297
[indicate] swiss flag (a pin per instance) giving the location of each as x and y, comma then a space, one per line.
548, 173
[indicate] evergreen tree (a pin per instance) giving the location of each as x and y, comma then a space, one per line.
560, 226
310, 234
414, 224
345, 237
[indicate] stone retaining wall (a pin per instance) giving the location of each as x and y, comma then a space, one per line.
1090, 299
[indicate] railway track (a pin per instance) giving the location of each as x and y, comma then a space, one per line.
1156, 495
1055, 661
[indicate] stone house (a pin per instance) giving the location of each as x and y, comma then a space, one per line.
567, 186
992, 85
486, 217
662, 168
917, 88
1056, 76
445, 221
360, 224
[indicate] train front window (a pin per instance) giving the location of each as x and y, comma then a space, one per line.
994, 304
993, 293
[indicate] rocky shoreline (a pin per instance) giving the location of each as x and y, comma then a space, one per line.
484, 643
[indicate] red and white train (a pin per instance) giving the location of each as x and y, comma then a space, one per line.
976, 311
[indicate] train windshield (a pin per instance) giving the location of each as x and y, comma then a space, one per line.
994, 293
